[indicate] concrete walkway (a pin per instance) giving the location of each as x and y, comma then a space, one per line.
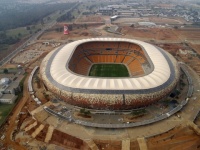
126, 144
142, 143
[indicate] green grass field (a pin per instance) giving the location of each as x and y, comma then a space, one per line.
4, 111
109, 70
23, 31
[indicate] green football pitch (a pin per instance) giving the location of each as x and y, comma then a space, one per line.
109, 70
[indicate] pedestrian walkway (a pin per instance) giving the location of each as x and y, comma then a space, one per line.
91, 144
126, 144
37, 131
30, 126
142, 143
49, 134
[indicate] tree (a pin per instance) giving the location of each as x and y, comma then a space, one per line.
48, 18
57, 29
28, 28
3, 35
85, 112
138, 112
42, 22
5, 71
175, 27
85, 25
82, 110
70, 27
19, 34
133, 26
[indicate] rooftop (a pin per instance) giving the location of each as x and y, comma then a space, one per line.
57, 73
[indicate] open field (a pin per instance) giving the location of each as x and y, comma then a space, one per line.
188, 34
196, 47
109, 70
9, 48
4, 111
22, 31
53, 35
172, 48
150, 33
168, 34
86, 30
92, 18
79, 31
157, 20
176, 139
162, 20
17, 32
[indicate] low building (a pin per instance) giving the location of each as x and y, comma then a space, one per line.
106, 11
8, 90
8, 98
146, 24
130, 12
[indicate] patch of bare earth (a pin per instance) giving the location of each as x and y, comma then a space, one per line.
176, 139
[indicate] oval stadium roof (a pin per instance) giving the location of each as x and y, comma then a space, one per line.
58, 73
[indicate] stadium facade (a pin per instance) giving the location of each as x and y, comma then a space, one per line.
153, 73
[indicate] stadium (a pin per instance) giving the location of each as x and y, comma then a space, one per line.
110, 73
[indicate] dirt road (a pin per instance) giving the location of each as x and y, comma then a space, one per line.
8, 139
